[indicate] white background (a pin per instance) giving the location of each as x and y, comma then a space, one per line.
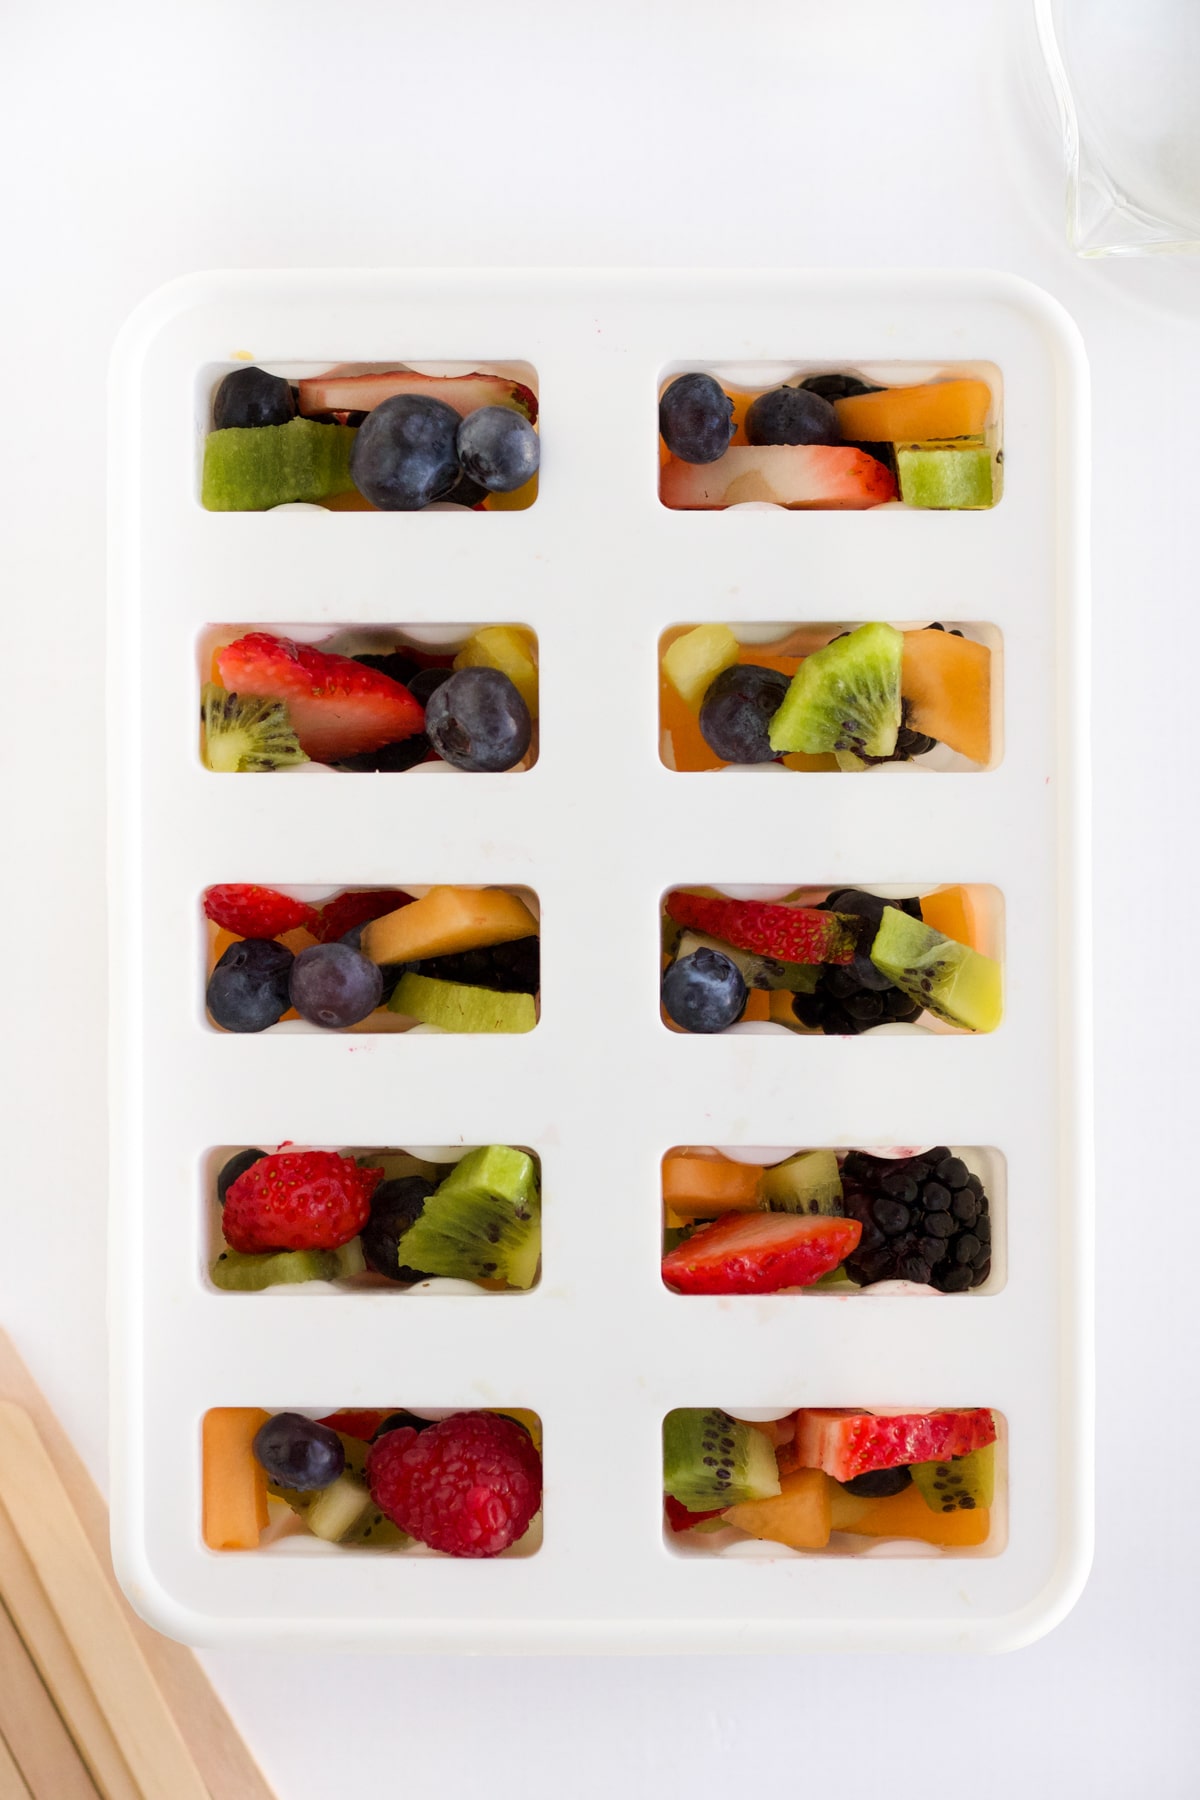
139, 142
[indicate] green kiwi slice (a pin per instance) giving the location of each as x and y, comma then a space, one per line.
808, 1183
247, 734
483, 1223
711, 1460
252, 468
845, 697
949, 979
237, 1272
960, 1485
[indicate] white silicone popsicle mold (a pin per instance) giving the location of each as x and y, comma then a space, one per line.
599, 829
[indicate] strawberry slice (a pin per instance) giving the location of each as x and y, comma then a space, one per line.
846, 1444
759, 1253
256, 912
826, 475
795, 934
338, 707
679, 1518
345, 911
359, 393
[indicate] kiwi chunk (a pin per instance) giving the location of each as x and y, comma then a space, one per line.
844, 697
955, 983
237, 1272
945, 479
247, 734
344, 1512
765, 972
250, 469
960, 1485
808, 1183
484, 1222
710, 1460
453, 1006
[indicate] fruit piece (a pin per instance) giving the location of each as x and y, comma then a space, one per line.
235, 1273
907, 1516
395, 1205
808, 1183
358, 907
679, 1518
796, 934
736, 715
361, 393
703, 1187
248, 989
235, 1487
512, 968
924, 1218
275, 465
704, 992
356, 1423
468, 1486
298, 1453
401, 1420
337, 706
953, 982
792, 415
961, 1484
237, 1165
344, 1512
451, 1006
846, 1001
695, 418
397, 665
935, 409
248, 397
846, 1444
798, 475
947, 479
334, 986
255, 912
510, 650
946, 683
247, 736
759, 1253
298, 1200
404, 456
390, 759
765, 973
952, 911
477, 720
838, 386
880, 1484
447, 919
798, 1515
845, 697
710, 1459
484, 1221
694, 661
498, 448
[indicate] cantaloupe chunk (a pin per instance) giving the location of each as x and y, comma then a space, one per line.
935, 409
447, 919
952, 911
235, 1483
511, 650
683, 742
947, 682
906, 1515
704, 1187
799, 1515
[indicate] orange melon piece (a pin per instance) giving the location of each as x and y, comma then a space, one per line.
799, 1515
680, 725
447, 919
947, 682
704, 1187
822, 763
952, 912
781, 1007
935, 409
905, 1515
235, 1483
757, 1005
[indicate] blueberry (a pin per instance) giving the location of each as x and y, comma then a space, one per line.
252, 397
704, 991
237, 1165
334, 986
498, 448
298, 1453
400, 1421
395, 1205
389, 759
396, 664
695, 416
477, 720
792, 415
838, 387
404, 456
426, 682
879, 1484
248, 989
737, 711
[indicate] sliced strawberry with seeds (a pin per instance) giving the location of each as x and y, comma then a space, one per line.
797, 934
681, 1518
832, 476
342, 914
256, 912
360, 393
337, 707
846, 1444
759, 1253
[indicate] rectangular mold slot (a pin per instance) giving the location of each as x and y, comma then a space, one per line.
963, 703
420, 651
351, 1269
340, 395
472, 1008
925, 450
703, 1184
796, 996
815, 1515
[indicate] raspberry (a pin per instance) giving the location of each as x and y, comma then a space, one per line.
256, 912
468, 1487
303, 1200
342, 914
924, 1218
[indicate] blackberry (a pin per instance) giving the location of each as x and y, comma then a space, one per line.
512, 968
924, 1218
849, 1000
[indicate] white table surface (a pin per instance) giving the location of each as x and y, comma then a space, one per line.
139, 142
